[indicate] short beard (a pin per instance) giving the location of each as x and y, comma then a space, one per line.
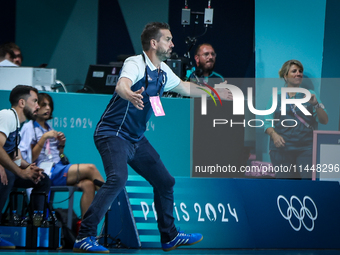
28, 114
163, 55
206, 70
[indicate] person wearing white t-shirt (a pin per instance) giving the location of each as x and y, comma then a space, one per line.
14, 171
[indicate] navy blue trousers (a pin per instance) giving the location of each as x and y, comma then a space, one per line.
302, 160
116, 153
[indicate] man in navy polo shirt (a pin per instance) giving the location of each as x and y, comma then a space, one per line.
119, 138
14, 171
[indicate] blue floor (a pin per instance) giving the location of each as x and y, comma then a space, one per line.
185, 251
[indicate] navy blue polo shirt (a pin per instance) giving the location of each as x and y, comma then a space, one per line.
121, 118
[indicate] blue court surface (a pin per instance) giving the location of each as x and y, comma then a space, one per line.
183, 251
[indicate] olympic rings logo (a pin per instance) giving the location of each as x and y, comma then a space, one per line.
300, 215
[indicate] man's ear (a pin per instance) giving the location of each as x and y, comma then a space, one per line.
22, 103
196, 59
153, 43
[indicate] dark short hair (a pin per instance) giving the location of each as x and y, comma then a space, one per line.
4, 49
41, 97
203, 44
151, 31
12, 46
20, 92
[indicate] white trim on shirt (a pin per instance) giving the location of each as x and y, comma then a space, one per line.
7, 122
134, 68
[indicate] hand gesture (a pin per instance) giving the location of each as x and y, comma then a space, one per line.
61, 138
33, 173
51, 134
224, 93
313, 100
136, 98
3, 176
278, 140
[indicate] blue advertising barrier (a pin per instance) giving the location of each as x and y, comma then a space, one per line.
247, 213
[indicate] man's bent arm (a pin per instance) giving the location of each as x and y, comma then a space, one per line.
5, 160
186, 88
123, 89
9, 164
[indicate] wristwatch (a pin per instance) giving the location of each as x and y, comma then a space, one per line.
319, 106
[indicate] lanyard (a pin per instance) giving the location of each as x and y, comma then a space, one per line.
297, 116
48, 148
147, 80
16, 133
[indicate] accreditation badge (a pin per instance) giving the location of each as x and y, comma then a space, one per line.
157, 106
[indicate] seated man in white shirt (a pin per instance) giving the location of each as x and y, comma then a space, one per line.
44, 146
